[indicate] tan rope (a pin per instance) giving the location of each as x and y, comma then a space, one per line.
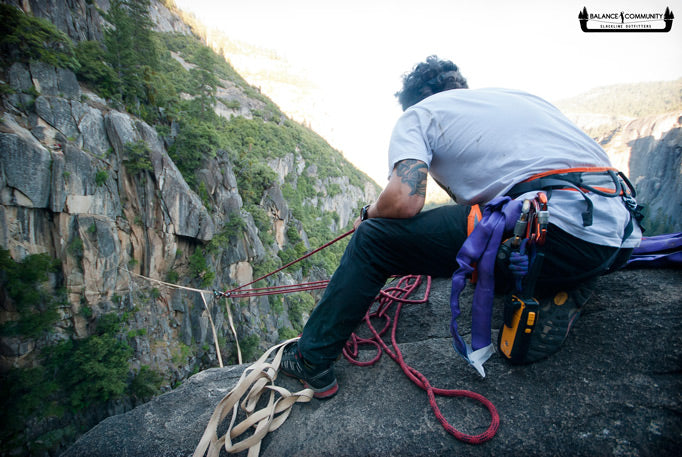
234, 332
256, 380
208, 311
215, 335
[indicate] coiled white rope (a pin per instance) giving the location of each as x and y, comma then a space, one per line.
256, 380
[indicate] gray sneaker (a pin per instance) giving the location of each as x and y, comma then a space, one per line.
318, 378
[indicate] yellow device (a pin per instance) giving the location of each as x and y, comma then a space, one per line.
521, 314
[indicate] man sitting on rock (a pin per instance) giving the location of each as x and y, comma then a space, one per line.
478, 145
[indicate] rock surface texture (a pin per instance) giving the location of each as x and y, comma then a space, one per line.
613, 389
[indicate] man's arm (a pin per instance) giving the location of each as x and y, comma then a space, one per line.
404, 195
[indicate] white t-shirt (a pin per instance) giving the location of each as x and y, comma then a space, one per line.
479, 143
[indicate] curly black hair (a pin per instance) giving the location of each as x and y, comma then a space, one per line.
428, 78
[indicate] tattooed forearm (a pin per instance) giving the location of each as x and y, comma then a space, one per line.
413, 173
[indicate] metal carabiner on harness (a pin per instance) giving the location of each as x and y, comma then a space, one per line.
541, 219
521, 227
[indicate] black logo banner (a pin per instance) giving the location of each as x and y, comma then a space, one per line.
622, 21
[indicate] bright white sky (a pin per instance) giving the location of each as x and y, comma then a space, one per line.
356, 51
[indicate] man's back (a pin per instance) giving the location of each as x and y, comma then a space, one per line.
479, 143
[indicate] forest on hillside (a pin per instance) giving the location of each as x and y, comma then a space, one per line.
628, 100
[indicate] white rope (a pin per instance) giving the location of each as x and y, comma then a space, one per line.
255, 380
208, 311
215, 336
234, 332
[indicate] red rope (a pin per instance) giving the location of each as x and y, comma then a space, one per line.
398, 294
231, 292
274, 290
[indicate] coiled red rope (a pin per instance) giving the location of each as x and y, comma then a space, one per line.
398, 295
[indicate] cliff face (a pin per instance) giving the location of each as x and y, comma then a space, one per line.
70, 187
656, 168
80, 19
64, 184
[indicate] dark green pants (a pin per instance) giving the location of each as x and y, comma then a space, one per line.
426, 244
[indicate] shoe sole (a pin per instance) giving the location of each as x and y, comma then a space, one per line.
548, 340
321, 394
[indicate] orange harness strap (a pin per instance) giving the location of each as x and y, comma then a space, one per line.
473, 218
562, 171
571, 170
572, 179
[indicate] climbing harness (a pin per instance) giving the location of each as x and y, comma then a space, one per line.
584, 180
603, 181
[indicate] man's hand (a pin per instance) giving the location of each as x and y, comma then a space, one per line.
404, 195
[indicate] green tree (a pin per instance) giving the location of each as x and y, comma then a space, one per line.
120, 50
146, 383
132, 51
89, 371
23, 282
199, 268
197, 141
101, 177
146, 45
95, 70
205, 82
137, 158
25, 393
253, 178
24, 37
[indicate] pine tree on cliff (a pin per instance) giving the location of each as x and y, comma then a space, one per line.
206, 82
131, 50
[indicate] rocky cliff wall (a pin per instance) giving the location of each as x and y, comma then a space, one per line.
68, 189
80, 19
65, 190
655, 167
